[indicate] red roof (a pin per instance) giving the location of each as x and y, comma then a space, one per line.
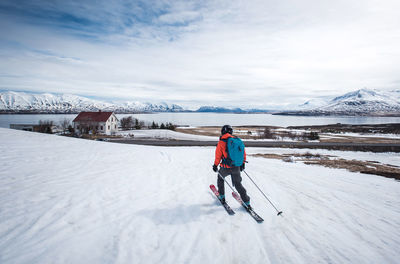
93, 116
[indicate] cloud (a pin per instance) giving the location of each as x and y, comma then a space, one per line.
258, 53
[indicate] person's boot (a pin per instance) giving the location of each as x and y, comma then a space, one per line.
248, 205
221, 197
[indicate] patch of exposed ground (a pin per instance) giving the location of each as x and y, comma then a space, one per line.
360, 139
202, 131
367, 167
99, 136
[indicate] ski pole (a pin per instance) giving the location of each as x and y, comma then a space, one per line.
219, 174
279, 212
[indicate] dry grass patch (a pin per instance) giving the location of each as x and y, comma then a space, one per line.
299, 156
360, 139
202, 131
367, 167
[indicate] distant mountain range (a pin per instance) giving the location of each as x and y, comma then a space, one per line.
19, 102
215, 109
360, 102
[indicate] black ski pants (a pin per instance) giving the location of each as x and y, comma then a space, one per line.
236, 181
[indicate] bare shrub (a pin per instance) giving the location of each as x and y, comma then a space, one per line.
313, 136
127, 122
267, 133
45, 126
65, 124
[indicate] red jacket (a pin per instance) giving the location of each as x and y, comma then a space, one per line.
220, 151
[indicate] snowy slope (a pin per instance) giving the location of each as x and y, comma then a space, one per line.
96, 202
314, 103
363, 101
19, 101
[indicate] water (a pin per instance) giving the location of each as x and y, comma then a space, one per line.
212, 119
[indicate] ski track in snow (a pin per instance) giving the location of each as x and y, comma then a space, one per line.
66, 200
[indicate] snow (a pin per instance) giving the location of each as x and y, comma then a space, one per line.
67, 200
314, 103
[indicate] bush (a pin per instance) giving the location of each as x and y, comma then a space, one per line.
313, 136
127, 122
170, 126
154, 125
138, 124
45, 126
267, 133
65, 124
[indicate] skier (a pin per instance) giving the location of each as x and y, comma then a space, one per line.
221, 158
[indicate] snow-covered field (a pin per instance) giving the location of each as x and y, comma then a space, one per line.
162, 134
67, 200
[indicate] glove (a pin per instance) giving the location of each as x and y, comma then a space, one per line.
215, 168
242, 167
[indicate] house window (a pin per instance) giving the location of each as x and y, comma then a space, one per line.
108, 127
115, 126
101, 127
97, 127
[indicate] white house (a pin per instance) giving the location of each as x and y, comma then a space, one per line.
96, 122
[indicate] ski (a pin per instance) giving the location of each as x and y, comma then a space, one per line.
248, 209
224, 204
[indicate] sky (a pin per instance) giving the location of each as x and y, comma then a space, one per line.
251, 54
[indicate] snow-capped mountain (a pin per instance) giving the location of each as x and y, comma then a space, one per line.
68, 103
315, 102
360, 102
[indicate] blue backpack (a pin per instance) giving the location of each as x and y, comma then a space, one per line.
235, 150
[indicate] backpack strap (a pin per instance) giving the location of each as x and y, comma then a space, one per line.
226, 160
